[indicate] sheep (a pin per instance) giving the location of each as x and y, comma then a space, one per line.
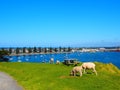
51, 60
83, 67
76, 69
57, 62
89, 65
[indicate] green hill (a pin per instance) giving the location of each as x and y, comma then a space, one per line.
41, 76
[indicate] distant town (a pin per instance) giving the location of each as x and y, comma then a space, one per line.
47, 50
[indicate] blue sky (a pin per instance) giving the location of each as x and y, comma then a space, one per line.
59, 23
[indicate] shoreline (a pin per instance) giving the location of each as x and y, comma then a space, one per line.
22, 54
37, 53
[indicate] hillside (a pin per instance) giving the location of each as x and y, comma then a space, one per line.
41, 76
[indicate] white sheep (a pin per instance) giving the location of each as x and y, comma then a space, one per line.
76, 69
51, 60
57, 62
89, 65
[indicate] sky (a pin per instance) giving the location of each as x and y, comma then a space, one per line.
54, 23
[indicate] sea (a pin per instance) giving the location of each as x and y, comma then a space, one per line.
104, 57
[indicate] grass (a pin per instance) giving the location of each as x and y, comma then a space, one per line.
41, 76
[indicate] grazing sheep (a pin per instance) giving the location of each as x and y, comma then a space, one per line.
57, 62
51, 60
89, 65
76, 69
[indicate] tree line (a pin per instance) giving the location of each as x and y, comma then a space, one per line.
28, 50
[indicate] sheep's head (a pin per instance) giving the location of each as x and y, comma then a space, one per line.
71, 73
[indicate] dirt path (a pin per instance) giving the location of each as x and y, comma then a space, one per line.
7, 82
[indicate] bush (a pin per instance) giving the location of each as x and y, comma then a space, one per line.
3, 56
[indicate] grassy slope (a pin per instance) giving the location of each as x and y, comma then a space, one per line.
38, 76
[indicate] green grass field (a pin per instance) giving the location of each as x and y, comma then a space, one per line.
41, 76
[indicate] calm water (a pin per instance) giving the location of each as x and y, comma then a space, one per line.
105, 57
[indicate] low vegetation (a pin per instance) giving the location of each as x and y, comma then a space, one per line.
43, 76
3, 54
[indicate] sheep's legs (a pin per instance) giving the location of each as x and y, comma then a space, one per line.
74, 73
84, 71
80, 73
94, 71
